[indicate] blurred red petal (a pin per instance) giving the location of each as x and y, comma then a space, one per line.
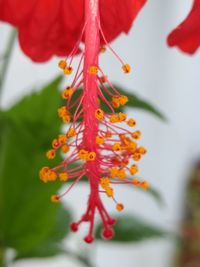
49, 27
187, 35
117, 16
45, 33
16, 12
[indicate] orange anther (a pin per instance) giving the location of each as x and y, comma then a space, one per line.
119, 206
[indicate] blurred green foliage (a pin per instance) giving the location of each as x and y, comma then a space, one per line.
28, 218
129, 228
136, 102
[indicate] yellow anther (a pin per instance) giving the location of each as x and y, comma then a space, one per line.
109, 192
68, 70
63, 111
55, 198
65, 148
113, 172
62, 138
136, 135
44, 169
52, 176
142, 150
62, 64
55, 143
114, 118
93, 70
51, 154
145, 185
63, 176
99, 114
121, 174
133, 169
103, 79
100, 140
127, 141
66, 118
104, 182
119, 207
136, 182
91, 156
119, 100
122, 116
131, 122
71, 132
122, 137
116, 98
115, 104
115, 101
123, 100
116, 147
132, 146
136, 156
102, 49
108, 134
126, 68
44, 174
83, 154
67, 92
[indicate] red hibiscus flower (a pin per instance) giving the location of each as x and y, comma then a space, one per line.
49, 27
187, 35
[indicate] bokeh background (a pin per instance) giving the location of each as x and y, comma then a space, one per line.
168, 79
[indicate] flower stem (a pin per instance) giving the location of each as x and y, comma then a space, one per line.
92, 44
6, 59
90, 103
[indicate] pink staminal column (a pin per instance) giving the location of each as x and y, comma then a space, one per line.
91, 124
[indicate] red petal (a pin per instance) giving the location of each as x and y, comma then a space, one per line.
187, 35
16, 12
49, 27
117, 16
51, 30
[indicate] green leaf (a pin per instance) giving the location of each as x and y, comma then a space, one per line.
130, 228
44, 251
153, 193
53, 244
134, 102
27, 215
39, 107
156, 195
137, 102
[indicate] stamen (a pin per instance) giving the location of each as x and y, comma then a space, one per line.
97, 143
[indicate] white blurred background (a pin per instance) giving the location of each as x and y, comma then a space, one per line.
171, 81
